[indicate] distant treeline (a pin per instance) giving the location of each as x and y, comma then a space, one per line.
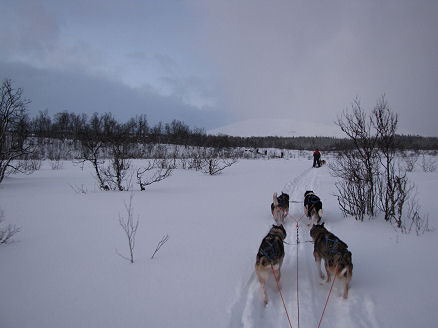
66, 125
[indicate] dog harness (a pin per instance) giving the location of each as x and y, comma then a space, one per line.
312, 199
271, 248
332, 246
283, 200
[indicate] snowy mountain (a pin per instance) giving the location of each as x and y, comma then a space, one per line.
278, 127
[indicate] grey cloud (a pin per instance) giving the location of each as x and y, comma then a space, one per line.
80, 93
308, 60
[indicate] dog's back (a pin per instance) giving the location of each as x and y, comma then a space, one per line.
271, 250
280, 207
337, 257
270, 256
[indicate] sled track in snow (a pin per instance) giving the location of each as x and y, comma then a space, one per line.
248, 310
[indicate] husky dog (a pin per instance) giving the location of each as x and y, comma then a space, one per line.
337, 257
312, 207
280, 207
322, 162
270, 256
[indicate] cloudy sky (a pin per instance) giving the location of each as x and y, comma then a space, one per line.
213, 62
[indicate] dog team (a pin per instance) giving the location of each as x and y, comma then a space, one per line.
334, 252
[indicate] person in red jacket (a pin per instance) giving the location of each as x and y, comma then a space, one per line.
316, 158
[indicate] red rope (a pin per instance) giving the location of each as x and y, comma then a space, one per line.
278, 286
298, 300
322, 315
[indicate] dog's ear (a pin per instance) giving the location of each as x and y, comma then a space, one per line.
322, 224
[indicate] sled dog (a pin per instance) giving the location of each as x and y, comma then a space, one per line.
280, 207
312, 207
337, 257
270, 256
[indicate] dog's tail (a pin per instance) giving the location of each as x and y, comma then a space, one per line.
342, 273
275, 199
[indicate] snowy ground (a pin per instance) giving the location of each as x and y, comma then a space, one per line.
63, 269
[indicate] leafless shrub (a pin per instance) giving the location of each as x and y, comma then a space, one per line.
214, 165
79, 189
155, 171
56, 164
160, 244
7, 232
129, 226
116, 173
409, 161
415, 218
25, 166
352, 187
196, 159
211, 161
371, 178
358, 128
428, 165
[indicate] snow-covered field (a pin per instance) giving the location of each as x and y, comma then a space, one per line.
63, 270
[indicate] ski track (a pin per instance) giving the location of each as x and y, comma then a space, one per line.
248, 310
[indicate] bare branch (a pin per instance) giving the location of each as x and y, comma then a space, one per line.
8, 232
160, 243
155, 171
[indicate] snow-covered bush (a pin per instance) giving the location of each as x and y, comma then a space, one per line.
8, 231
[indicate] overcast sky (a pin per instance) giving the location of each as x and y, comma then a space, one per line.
212, 62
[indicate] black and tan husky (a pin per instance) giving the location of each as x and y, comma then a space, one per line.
270, 256
312, 207
337, 257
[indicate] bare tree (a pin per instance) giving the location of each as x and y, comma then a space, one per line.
129, 226
92, 146
392, 185
155, 171
117, 171
118, 138
14, 127
370, 178
358, 167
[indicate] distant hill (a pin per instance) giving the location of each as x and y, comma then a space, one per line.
278, 128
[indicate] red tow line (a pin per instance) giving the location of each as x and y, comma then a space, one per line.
322, 315
279, 290
298, 241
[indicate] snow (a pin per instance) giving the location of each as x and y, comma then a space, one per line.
278, 127
62, 270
